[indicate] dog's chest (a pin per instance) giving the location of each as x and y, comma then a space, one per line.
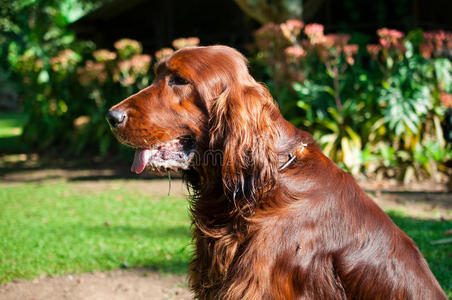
237, 266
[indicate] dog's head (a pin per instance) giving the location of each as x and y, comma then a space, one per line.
201, 98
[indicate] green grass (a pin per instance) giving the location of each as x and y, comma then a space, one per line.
57, 229
11, 125
423, 232
64, 228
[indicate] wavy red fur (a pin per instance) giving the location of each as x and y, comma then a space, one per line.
305, 232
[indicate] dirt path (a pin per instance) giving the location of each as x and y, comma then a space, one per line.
425, 200
133, 284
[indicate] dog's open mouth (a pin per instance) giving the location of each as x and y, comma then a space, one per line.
172, 155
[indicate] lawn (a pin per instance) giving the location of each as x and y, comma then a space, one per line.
62, 228
11, 125
57, 228
423, 232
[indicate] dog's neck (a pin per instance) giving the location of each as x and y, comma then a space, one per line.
206, 181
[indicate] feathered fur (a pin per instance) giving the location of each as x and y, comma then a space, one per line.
305, 232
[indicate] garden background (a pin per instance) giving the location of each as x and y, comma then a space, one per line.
372, 83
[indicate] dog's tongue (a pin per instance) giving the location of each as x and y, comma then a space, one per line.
140, 160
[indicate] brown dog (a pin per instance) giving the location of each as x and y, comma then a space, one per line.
273, 217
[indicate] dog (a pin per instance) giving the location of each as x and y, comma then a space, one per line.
273, 218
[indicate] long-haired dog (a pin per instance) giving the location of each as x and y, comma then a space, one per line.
273, 217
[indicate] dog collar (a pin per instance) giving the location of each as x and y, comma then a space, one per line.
293, 155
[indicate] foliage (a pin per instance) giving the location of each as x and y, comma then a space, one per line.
37, 27
265, 11
377, 111
68, 95
276, 11
40, 54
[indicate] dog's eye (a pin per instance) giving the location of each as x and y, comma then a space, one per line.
177, 80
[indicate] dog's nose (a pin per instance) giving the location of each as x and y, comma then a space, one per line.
115, 117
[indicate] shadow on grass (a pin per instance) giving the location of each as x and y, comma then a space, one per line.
144, 232
423, 232
172, 260
79, 170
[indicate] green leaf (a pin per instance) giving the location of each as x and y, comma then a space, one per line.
43, 77
443, 69
303, 105
355, 138
330, 91
333, 111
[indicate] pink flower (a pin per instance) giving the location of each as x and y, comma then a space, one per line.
81, 122
126, 43
185, 42
127, 81
439, 39
314, 32
92, 72
385, 43
391, 38
373, 50
269, 29
291, 29
137, 64
336, 40
268, 36
103, 55
127, 48
140, 64
426, 49
294, 24
391, 34
349, 51
446, 99
350, 60
38, 65
448, 40
294, 52
130, 69
125, 66
64, 59
162, 53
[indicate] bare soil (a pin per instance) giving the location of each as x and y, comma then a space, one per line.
133, 284
423, 200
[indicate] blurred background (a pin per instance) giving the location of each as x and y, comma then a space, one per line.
372, 81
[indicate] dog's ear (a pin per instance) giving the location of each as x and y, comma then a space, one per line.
242, 125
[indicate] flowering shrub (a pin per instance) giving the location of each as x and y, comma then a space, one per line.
127, 48
374, 109
185, 42
177, 44
437, 44
162, 53
68, 94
